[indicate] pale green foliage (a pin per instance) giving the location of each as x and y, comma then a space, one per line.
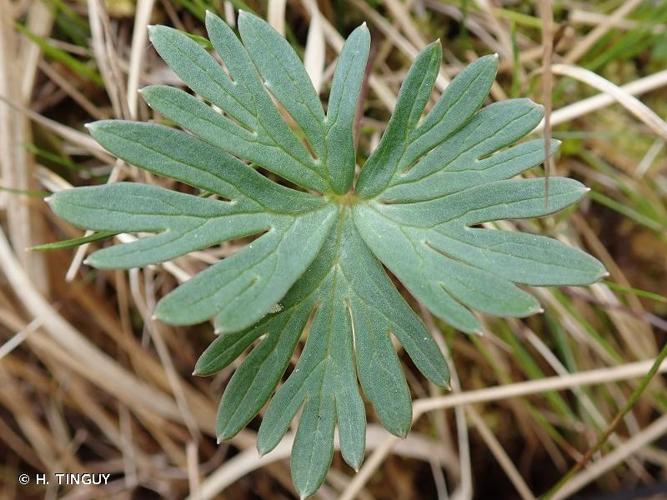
317, 263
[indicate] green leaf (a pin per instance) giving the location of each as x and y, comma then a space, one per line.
170, 153
185, 223
285, 78
474, 153
341, 113
406, 140
241, 288
448, 265
312, 259
348, 307
251, 126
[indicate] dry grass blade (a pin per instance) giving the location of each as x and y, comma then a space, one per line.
632, 104
590, 104
605, 375
74, 136
401, 14
584, 45
106, 58
466, 484
595, 19
385, 94
313, 58
139, 37
15, 161
604, 437
73, 92
40, 22
98, 367
651, 433
598, 376
649, 158
19, 337
397, 39
584, 399
276, 14
500, 454
414, 446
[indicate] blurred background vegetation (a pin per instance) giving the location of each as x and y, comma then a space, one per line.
89, 383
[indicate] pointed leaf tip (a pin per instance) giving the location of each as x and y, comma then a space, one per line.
261, 449
363, 27
434, 45
307, 490
603, 274
354, 462
491, 59
403, 433
210, 17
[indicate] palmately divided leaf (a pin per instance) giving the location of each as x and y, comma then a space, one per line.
353, 315
447, 264
171, 153
315, 265
250, 126
430, 181
239, 289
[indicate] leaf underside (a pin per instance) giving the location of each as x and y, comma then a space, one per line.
316, 263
